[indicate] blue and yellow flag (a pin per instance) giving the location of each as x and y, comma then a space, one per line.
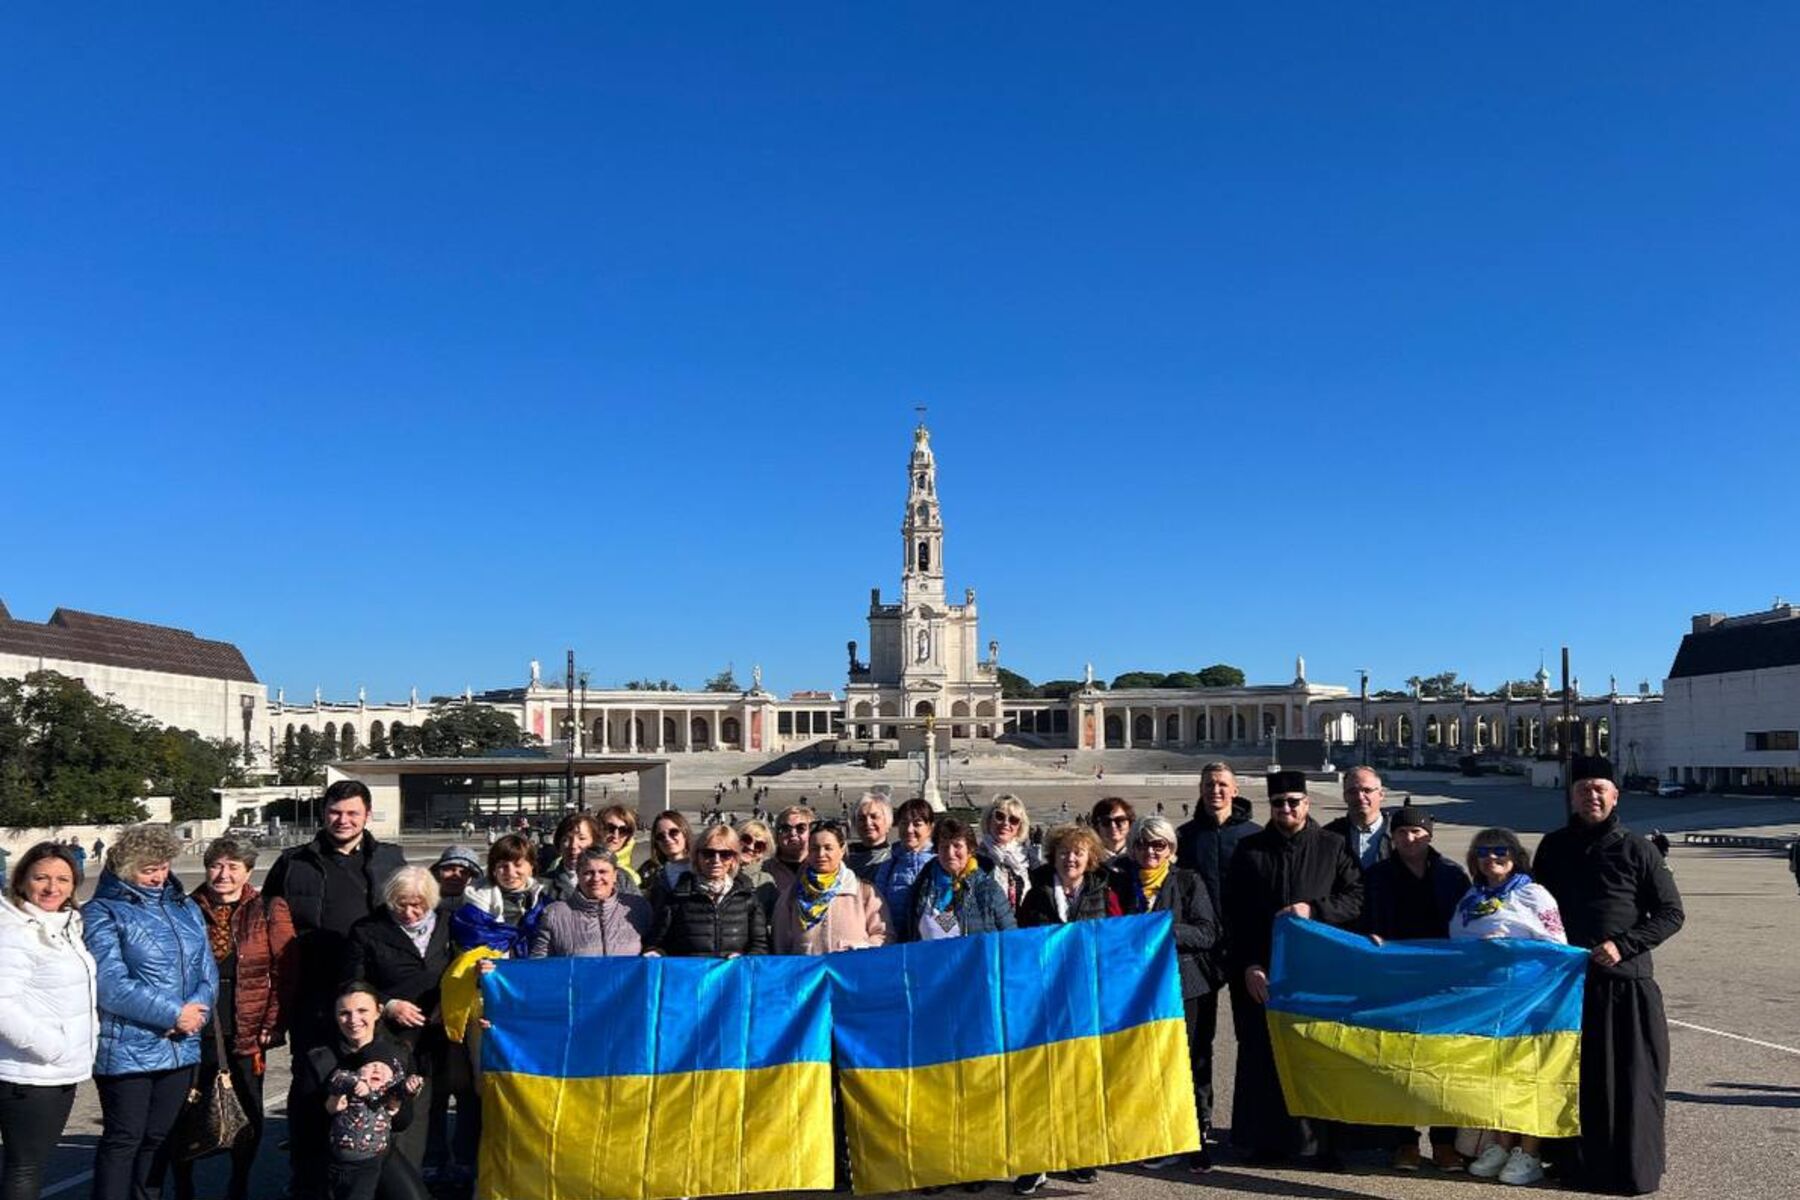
1483, 1033
992, 1056
642, 1079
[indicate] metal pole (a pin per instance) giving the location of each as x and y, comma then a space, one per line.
1568, 726
569, 758
581, 731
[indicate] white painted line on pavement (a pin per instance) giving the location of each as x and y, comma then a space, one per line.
63, 1185
1736, 1037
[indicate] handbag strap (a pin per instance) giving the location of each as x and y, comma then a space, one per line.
219, 1043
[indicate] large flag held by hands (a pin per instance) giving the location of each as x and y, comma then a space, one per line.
1483, 1033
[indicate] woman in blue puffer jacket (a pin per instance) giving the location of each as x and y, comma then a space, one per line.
155, 979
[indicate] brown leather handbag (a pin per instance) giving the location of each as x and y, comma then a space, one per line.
213, 1118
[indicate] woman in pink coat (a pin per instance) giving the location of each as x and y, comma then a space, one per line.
828, 908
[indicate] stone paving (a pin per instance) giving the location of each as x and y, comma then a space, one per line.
1730, 979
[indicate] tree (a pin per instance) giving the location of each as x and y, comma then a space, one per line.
1522, 689
1062, 689
378, 743
403, 740
1138, 679
1014, 686
1432, 687
304, 760
651, 685
1221, 675
724, 681
468, 731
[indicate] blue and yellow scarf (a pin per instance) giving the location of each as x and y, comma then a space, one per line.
815, 892
947, 889
1482, 901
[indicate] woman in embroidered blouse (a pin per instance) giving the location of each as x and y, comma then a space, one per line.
953, 896
829, 908
1504, 903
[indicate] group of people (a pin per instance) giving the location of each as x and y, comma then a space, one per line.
151, 988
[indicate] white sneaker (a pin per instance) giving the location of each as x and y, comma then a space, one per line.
1488, 1165
1521, 1167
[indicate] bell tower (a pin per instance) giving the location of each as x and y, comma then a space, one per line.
922, 530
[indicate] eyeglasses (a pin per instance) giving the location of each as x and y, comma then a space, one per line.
618, 830
1159, 846
1118, 819
757, 845
1492, 851
798, 830
1005, 819
668, 834
717, 855
1286, 801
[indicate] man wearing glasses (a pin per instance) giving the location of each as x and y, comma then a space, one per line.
1205, 846
1112, 819
1365, 826
1291, 867
1618, 901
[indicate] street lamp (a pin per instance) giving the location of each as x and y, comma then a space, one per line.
247, 707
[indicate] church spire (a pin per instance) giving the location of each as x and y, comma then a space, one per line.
922, 530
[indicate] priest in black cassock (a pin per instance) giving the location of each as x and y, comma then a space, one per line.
1289, 866
1618, 902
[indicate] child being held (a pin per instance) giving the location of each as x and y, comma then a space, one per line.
365, 1091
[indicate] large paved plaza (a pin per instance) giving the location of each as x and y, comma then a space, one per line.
1730, 978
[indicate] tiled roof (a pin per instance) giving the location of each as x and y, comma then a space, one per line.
1727, 648
114, 642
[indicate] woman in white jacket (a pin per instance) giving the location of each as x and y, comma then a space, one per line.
47, 1025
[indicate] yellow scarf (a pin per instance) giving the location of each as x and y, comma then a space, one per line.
817, 891
1150, 882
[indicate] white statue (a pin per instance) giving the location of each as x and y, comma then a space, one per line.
1088, 676
537, 673
1300, 668
923, 641
280, 695
412, 699
994, 653
468, 694
756, 677
362, 694
318, 696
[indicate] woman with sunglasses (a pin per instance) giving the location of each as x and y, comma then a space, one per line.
618, 830
711, 911
1112, 819
1005, 851
1153, 883
671, 842
1503, 902
829, 908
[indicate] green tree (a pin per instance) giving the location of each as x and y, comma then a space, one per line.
403, 740
651, 685
1182, 679
468, 731
1433, 687
1523, 689
724, 681
378, 742
1221, 675
1014, 686
304, 760
1062, 689
1138, 679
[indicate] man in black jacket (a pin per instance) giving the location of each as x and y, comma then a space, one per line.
330, 884
1295, 868
1618, 902
1204, 846
1365, 827
1411, 896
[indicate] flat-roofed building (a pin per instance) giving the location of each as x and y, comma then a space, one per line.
1731, 703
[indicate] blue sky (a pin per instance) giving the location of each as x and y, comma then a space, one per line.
403, 346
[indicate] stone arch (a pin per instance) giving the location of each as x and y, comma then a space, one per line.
1239, 730
924, 557
1603, 735
637, 733
731, 733
668, 733
985, 709
863, 709
1271, 726
378, 739
890, 708
924, 709
1172, 729
347, 740
1143, 729
1434, 732
959, 709
330, 737
1403, 730
699, 730
1115, 730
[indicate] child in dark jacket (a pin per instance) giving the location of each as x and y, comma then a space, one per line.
366, 1091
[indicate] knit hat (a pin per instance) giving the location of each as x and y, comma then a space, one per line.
1410, 817
458, 856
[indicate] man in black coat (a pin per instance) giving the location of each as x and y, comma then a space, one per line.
1411, 896
1291, 867
330, 884
1204, 846
1618, 901
1365, 827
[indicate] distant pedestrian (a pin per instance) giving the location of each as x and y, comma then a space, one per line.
99, 849
1793, 858
80, 854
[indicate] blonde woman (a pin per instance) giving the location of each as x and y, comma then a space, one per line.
1005, 850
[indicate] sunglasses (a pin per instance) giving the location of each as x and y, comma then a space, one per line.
1161, 847
1492, 851
755, 844
792, 830
618, 830
1005, 819
718, 855
668, 834
1118, 819
1286, 801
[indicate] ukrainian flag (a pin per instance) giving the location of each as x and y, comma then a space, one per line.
1483, 1033
642, 1079
991, 1056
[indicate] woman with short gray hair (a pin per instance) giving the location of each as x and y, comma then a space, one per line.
1150, 882
597, 920
155, 984
402, 950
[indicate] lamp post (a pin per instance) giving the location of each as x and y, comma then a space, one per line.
1362, 717
247, 708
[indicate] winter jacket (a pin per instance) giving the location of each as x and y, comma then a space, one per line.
1205, 847
690, 924
382, 955
581, 928
298, 877
262, 937
1097, 899
864, 858
151, 959
1271, 871
1613, 887
983, 907
857, 919
48, 1028
894, 877
487, 897
1183, 895
1389, 883
560, 882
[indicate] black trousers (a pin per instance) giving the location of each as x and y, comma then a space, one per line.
1202, 1013
1624, 1071
137, 1111
249, 1087
32, 1118
354, 1179
454, 1078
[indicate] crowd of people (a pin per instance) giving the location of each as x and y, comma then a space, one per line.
151, 989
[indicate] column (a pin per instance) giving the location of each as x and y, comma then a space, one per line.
1127, 727
605, 732
1156, 729
631, 729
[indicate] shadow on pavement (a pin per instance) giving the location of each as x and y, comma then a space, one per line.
1770, 1098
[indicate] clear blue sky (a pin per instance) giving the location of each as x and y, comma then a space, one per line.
403, 346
